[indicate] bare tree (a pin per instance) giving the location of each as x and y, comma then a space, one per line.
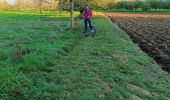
41, 4
54, 5
4, 5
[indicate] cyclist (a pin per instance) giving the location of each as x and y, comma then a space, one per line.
87, 17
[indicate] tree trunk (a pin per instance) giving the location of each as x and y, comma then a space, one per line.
71, 14
40, 7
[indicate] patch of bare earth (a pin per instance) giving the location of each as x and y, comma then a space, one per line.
150, 31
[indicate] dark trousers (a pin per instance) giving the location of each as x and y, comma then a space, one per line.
87, 21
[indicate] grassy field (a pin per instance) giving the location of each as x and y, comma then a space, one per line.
40, 58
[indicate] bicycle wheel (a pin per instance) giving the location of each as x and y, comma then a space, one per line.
86, 34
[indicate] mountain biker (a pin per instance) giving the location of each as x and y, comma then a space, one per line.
87, 17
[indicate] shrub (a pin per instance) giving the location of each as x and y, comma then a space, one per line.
146, 6
111, 6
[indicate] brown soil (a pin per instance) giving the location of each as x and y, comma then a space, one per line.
150, 31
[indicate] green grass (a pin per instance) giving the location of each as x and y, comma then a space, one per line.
41, 59
139, 11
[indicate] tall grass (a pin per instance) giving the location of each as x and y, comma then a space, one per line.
40, 58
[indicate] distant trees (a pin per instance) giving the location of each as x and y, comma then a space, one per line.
129, 5
140, 4
157, 4
146, 6
41, 4
54, 5
19, 4
61, 5
30, 5
4, 5
125, 5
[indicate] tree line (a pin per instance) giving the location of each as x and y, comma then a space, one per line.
53, 4
140, 4
60, 5
29, 5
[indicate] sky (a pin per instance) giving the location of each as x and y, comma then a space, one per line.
11, 1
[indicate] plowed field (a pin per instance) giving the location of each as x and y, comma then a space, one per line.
150, 31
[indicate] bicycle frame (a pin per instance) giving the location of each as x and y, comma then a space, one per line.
89, 31
88, 26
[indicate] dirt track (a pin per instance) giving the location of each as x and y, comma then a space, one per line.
150, 31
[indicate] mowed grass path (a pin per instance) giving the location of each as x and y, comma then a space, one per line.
41, 59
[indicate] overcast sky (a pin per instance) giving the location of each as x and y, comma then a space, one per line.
11, 1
